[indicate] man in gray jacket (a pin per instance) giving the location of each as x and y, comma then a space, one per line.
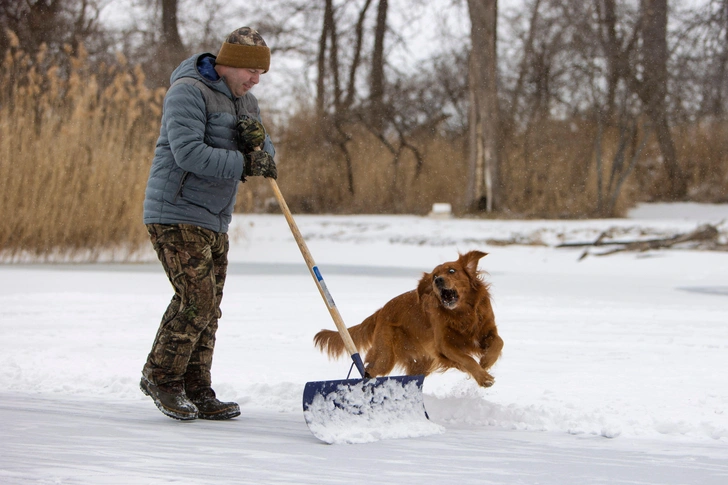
211, 138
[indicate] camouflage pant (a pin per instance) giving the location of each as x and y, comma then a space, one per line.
195, 260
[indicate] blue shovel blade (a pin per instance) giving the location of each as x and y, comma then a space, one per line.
364, 410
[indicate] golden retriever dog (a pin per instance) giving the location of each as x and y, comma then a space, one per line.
447, 322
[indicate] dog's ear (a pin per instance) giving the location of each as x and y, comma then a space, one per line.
470, 260
425, 285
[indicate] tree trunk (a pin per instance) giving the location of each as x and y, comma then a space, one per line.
331, 120
170, 32
42, 20
654, 89
376, 97
717, 108
321, 64
171, 50
608, 19
524, 65
351, 86
485, 189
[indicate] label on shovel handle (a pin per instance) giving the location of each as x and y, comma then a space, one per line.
322, 286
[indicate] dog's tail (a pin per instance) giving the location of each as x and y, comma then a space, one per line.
330, 341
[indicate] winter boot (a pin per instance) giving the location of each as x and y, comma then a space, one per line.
209, 407
170, 399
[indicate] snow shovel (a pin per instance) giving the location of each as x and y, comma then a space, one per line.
358, 410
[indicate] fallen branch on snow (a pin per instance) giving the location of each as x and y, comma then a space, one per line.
704, 236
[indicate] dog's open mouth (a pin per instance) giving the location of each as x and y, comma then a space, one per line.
449, 298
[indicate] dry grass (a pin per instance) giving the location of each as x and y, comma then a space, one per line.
74, 156
77, 140
314, 173
703, 152
551, 171
542, 175
545, 178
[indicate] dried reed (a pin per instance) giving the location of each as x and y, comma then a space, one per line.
77, 139
74, 156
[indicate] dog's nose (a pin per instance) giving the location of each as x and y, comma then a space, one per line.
439, 281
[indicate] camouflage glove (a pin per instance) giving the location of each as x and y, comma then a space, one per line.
251, 134
259, 163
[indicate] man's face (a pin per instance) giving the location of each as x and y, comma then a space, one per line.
240, 80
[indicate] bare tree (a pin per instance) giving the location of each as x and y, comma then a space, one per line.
170, 50
699, 62
356, 58
54, 23
523, 68
329, 65
719, 85
334, 116
327, 31
607, 15
484, 110
170, 32
376, 97
653, 89
641, 61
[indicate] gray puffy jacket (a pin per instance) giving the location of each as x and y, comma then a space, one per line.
197, 167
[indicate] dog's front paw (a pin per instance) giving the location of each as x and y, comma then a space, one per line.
486, 380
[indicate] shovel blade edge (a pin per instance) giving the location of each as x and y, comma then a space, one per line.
366, 410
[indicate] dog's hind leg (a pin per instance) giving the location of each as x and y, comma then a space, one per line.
381, 357
419, 365
380, 361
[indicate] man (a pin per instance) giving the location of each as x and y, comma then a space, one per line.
210, 139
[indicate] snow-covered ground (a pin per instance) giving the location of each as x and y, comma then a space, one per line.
615, 368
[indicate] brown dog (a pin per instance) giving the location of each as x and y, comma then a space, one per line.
447, 322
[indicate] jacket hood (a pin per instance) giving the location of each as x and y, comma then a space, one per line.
188, 68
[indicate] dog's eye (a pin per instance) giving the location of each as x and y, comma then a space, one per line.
451, 271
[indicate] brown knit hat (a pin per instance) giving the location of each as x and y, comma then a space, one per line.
244, 48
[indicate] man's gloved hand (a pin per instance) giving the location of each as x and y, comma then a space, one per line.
259, 163
251, 134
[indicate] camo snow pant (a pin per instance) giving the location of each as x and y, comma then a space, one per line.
195, 260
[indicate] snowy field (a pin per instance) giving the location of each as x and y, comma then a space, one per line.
614, 371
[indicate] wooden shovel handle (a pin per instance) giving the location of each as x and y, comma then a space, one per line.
316, 274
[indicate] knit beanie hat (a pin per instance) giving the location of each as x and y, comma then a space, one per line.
244, 48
